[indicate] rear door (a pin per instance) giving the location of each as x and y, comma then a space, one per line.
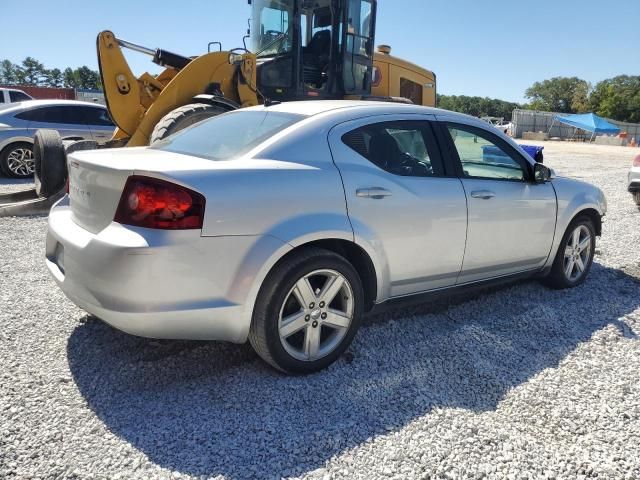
401, 200
511, 219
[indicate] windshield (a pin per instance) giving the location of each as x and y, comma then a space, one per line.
228, 135
272, 27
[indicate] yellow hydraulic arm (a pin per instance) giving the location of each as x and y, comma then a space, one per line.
136, 105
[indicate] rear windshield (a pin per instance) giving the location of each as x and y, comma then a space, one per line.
228, 135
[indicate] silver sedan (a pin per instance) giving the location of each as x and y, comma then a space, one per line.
283, 225
72, 119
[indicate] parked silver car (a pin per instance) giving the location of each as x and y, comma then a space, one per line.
20, 121
634, 180
284, 224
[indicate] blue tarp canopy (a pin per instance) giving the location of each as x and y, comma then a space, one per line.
589, 122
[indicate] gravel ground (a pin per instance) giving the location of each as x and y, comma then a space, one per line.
517, 382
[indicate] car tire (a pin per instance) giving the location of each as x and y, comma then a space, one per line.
50, 162
16, 160
636, 197
183, 117
302, 339
575, 255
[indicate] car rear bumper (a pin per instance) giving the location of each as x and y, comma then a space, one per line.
158, 284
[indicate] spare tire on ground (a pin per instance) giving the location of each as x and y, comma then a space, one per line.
183, 117
50, 162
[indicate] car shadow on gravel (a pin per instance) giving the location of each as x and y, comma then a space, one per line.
207, 408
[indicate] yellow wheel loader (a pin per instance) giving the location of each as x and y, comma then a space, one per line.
298, 50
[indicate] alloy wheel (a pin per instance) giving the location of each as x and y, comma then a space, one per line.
577, 253
20, 161
316, 315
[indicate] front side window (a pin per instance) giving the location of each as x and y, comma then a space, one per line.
228, 135
483, 157
97, 116
272, 28
404, 148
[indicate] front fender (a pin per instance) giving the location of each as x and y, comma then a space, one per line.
574, 197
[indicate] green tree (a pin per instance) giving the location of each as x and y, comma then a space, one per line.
53, 78
87, 78
477, 106
34, 71
617, 98
559, 94
69, 79
7, 72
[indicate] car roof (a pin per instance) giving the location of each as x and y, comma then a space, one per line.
311, 108
27, 104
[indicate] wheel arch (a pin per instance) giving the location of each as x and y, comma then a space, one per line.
592, 214
354, 254
13, 141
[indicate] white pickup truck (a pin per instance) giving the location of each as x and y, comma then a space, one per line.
11, 95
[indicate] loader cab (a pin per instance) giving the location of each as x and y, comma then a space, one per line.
313, 49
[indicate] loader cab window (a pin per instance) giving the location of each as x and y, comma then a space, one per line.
317, 37
358, 54
272, 40
272, 28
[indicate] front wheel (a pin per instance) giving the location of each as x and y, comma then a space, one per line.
308, 311
16, 160
575, 255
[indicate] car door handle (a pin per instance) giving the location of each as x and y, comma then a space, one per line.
483, 194
376, 193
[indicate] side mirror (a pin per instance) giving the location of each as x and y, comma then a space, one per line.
541, 173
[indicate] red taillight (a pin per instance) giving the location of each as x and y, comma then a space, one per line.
636, 161
66, 186
153, 203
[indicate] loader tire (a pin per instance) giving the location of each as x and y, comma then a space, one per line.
183, 117
50, 162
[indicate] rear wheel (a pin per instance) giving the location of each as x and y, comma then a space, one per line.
307, 312
575, 255
16, 160
183, 117
636, 197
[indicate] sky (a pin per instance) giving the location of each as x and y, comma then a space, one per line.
492, 48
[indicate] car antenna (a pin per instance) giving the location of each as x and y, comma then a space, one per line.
269, 102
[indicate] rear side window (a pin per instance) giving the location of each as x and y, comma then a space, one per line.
411, 90
97, 116
228, 135
58, 114
405, 148
18, 96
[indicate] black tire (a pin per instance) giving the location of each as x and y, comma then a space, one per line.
557, 278
183, 117
80, 145
17, 171
264, 334
636, 197
50, 161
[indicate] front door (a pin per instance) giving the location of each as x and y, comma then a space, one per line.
511, 219
400, 200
